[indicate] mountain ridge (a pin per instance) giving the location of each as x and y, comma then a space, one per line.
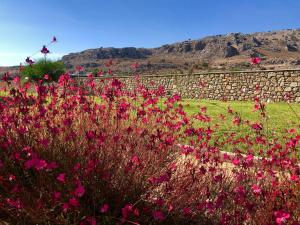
279, 49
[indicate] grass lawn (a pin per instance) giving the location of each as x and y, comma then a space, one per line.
280, 118
280, 115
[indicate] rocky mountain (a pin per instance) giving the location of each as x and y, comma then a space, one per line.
278, 49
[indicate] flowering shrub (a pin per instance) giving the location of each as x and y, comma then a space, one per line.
98, 153
103, 154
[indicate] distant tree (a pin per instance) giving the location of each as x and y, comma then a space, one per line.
42, 67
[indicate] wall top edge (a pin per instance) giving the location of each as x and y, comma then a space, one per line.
195, 74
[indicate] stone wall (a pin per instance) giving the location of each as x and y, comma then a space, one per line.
275, 85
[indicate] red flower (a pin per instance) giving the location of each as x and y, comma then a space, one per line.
79, 68
256, 189
237, 120
16, 80
135, 160
256, 126
104, 208
255, 60
65, 207
61, 178
38, 164
13, 203
11, 177
45, 50
79, 191
73, 202
46, 77
158, 215
281, 217
29, 61
89, 220
134, 65
99, 73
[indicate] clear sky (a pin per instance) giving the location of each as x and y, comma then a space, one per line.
25, 25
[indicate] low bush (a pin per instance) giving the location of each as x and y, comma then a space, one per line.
37, 71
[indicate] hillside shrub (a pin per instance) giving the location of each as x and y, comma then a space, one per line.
42, 67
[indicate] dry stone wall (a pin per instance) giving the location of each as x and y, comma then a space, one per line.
275, 85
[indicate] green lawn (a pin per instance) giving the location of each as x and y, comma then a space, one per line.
279, 115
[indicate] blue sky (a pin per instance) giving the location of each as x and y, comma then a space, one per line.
25, 25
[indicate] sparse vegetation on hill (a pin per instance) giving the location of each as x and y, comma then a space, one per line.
279, 49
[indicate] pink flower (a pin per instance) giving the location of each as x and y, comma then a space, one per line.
73, 202
257, 126
136, 212
14, 203
79, 68
33, 163
158, 215
236, 161
126, 210
294, 178
65, 207
16, 80
79, 191
29, 61
11, 177
255, 60
134, 65
89, 220
186, 149
281, 217
61, 178
249, 158
187, 211
237, 120
99, 73
256, 189
76, 166
104, 208
45, 50
135, 160
46, 77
